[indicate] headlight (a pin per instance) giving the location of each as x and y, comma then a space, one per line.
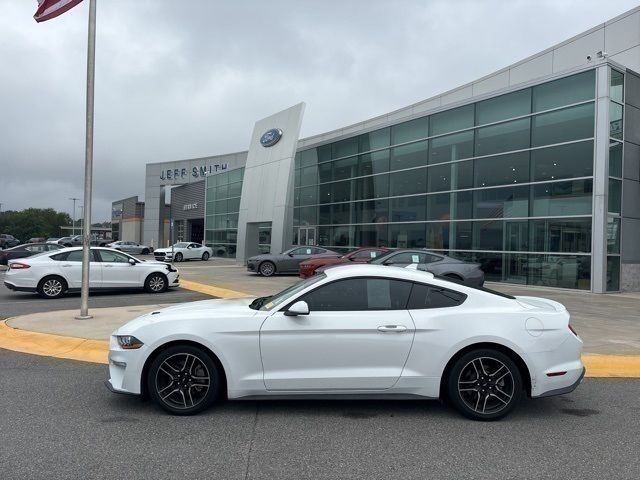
128, 342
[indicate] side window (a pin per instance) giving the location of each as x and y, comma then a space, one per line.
406, 258
113, 257
195, 245
35, 248
316, 251
59, 257
425, 296
431, 258
53, 246
366, 255
357, 294
302, 251
75, 256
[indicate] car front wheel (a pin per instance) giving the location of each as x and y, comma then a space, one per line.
205, 256
267, 269
52, 287
178, 257
484, 384
183, 380
156, 283
145, 251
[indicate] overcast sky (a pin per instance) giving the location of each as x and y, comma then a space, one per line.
183, 79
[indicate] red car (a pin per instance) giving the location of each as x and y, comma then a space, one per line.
362, 255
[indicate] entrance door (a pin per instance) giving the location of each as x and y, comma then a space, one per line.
307, 236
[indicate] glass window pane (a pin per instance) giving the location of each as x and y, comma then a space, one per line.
372, 235
439, 178
345, 168
343, 148
341, 192
462, 175
565, 271
376, 162
407, 156
236, 175
374, 140
307, 216
297, 177
324, 215
462, 238
324, 153
309, 195
452, 120
565, 91
233, 205
502, 169
408, 209
615, 120
613, 274
503, 137
615, 159
615, 195
342, 213
438, 206
504, 107
488, 235
372, 187
325, 172
309, 175
613, 235
409, 131
451, 147
565, 125
562, 198
563, 161
408, 182
374, 211
616, 90
325, 193
502, 202
561, 235
342, 236
516, 236
235, 189
222, 191
410, 235
463, 204
308, 157
438, 235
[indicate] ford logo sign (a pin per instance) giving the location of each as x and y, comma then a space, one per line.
271, 137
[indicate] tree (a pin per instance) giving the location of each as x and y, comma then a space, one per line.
33, 222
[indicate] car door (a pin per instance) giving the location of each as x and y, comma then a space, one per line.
117, 272
295, 258
357, 336
71, 269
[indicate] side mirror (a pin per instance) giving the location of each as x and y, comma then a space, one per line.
298, 308
132, 262
388, 262
290, 254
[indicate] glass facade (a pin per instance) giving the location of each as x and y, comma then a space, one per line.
505, 182
616, 146
221, 215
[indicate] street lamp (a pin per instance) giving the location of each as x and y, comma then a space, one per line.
73, 228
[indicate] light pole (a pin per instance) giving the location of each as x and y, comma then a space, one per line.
73, 225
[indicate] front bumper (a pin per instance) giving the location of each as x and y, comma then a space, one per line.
125, 368
252, 266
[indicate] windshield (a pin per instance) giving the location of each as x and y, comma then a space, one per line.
181, 245
273, 301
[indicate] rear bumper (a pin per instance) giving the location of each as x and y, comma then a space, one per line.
563, 390
15, 288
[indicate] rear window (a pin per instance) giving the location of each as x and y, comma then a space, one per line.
427, 296
482, 289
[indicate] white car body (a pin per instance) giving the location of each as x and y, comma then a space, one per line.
26, 274
374, 353
187, 250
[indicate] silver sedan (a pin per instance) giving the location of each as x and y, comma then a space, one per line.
131, 247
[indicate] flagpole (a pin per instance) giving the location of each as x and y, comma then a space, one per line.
88, 164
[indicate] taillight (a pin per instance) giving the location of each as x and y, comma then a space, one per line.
572, 330
18, 266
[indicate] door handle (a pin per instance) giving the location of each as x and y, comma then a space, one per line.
66, 266
108, 266
392, 328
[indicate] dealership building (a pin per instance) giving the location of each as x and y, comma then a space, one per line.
532, 171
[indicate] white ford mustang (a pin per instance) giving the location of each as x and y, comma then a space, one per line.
365, 331
183, 251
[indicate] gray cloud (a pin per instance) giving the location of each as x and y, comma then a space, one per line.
185, 79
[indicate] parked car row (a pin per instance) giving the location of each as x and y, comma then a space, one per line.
310, 260
26, 250
8, 241
53, 272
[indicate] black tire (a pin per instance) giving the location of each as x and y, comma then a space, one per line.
176, 370
52, 286
145, 251
480, 387
178, 257
267, 269
156, 283
205, 256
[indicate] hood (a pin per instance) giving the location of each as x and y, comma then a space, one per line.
164, 250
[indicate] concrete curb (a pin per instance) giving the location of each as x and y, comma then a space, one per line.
96, 351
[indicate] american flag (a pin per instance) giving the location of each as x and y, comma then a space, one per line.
48, 9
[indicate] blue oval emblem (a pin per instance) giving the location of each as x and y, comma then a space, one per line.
271, 137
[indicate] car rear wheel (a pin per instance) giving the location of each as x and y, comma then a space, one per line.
156, 283
205, 256
267, 269
455, 277
484, 384
183, 380
145, 251
178, 257
52, 287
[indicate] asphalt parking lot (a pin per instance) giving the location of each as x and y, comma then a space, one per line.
63, 423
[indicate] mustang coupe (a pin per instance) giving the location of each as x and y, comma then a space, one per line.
354, 331
319, 263
287, 262
183, 251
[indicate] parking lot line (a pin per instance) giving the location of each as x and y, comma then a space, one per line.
213, 291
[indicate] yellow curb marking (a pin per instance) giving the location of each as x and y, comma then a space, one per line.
213, 291
96, 351
58, 346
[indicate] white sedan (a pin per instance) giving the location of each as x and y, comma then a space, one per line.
183, 251
355, 331
51, 274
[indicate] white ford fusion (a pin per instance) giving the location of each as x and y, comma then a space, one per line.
354, 331
51, 274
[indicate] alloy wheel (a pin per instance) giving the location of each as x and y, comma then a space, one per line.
486, 385
267, 269
52, 287
182, 381
156, 283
